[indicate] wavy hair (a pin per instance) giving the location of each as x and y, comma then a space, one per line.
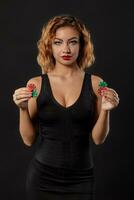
45, 57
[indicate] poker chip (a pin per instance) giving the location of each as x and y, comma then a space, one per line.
102, 87
103, 84
32, 88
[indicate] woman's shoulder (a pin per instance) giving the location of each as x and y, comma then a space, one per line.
95, 80
35, 79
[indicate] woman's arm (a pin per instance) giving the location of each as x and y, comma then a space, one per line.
28, 111
104, 104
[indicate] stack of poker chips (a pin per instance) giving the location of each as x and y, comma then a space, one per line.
102, 87
32, 88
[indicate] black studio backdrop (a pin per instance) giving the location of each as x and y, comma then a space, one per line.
110, 23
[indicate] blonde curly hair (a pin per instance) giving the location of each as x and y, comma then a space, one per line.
45, 57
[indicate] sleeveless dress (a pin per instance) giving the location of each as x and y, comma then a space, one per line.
62, 167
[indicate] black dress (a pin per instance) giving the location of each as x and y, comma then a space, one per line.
62, 167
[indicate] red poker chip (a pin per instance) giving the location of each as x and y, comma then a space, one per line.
31, 87
101, 89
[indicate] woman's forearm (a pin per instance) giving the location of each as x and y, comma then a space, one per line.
101, 127
26, 127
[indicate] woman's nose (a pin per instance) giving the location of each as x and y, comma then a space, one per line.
66, 49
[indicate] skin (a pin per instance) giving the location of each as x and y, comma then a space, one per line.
67, 74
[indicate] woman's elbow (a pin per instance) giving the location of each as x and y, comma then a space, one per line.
28, 137
98, 142
28, 141
101, 140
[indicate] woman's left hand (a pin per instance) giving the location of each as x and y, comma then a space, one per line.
110, 99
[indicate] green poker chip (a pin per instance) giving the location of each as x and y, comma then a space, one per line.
103, 84
34, 93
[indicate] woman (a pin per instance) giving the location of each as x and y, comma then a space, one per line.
68, 111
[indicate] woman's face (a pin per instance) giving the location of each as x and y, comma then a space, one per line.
66, 45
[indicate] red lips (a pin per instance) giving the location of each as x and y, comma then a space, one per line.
66, 57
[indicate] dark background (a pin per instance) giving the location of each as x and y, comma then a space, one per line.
110, 23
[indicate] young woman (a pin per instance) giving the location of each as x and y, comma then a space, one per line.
67, 112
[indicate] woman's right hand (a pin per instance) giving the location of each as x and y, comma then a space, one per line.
21, 97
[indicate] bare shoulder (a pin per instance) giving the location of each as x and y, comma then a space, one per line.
95, 83
36, 81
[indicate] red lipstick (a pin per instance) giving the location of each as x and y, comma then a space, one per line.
66, 57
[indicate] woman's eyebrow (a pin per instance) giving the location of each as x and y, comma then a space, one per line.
68, 39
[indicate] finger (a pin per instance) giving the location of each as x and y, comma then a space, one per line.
108, 99
113, 101
112, 90
23, 96
117, 98
18, 97
21, 89
18, 102
110, 94
23, 100
23, 93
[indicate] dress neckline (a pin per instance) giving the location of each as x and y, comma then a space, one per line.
59, 104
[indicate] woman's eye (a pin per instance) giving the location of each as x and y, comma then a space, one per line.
57, 42
74, 42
